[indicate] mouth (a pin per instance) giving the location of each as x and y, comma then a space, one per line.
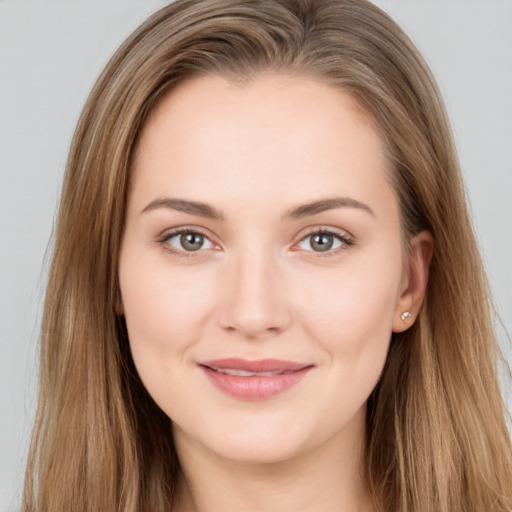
243, 373
254, 380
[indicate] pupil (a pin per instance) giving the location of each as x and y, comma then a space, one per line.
322, 242
192, 241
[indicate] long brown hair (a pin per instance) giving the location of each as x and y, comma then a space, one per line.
437, 436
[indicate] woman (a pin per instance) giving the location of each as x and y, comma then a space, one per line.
256, 299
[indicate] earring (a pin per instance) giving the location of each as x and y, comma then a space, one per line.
405, 315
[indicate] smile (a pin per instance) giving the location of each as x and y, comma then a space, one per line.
243, 373
254, 380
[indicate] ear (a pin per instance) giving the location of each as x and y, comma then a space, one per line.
414, 281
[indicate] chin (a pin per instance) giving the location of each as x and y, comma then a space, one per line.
260, 439
260, 450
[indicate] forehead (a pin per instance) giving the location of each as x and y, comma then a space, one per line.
291, 137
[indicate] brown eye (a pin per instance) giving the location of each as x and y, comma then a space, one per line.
323, 241
188, 241
191, 241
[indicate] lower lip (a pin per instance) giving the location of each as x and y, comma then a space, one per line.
255, 388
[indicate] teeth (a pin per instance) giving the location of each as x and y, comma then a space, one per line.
243, 373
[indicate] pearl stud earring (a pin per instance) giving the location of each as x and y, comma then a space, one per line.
405, 315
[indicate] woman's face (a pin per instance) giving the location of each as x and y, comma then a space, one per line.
261, 268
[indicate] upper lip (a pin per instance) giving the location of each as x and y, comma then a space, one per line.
261, 365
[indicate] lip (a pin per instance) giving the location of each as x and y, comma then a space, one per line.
285, 374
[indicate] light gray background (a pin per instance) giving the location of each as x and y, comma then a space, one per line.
50, 55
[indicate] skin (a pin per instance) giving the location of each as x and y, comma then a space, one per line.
258, 288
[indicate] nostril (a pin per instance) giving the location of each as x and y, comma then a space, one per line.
253, 307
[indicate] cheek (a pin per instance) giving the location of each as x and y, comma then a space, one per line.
165, 309
349, 312
349, 315
164, 306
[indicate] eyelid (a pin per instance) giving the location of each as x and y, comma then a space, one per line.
324, 228
346, 238
180, 230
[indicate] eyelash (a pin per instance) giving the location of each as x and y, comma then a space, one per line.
180, 231
345, 240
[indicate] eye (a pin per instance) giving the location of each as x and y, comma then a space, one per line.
323, 241
187, 240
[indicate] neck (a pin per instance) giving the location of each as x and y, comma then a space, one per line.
325, 478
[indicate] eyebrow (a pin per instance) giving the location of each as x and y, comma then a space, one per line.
299, 212
182, 205
323, 205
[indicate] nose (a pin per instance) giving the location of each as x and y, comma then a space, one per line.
253, 300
